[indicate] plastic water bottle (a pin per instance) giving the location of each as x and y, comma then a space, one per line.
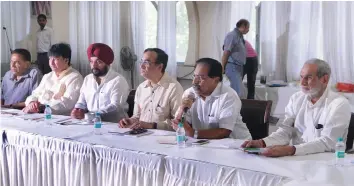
181, 134
97, 124
340, 152
48, 115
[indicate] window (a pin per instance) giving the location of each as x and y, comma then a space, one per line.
182, 31
150, 25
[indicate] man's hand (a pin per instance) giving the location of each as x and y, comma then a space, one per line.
187, 127
127, 122
279, 151
77, 113
142, 124
253, 143
33, 107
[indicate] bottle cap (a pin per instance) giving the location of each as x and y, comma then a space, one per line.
340, 139
46, 106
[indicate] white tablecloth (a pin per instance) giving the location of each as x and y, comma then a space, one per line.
86, 159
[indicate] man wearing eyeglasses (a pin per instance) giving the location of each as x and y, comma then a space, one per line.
157, 99
215, 113
104, 91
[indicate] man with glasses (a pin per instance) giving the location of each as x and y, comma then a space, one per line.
157, 99
215, 113
104, 91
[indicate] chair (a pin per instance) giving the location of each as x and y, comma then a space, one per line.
350, 137
256, 113
130, 102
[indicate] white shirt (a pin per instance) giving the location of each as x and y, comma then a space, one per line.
219, 110
109, 98
158, 103
45, 39
301, 116
60, 93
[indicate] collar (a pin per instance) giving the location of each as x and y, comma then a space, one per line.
163, 82
321, 100
25, 75
63, 73
45, 28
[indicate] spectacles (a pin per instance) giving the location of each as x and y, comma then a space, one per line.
200, 77
146, 62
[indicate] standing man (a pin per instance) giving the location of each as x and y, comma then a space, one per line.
234, 56
251, 69
45, 39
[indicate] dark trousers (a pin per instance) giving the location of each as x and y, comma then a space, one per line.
43, 63
251, 69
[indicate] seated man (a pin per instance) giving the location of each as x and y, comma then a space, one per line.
157, 99
104, 91
60, 88
20, 81
315, 104
215, 113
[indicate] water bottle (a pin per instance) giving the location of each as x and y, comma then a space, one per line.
340, 152
48, 115
181, 134
97, 124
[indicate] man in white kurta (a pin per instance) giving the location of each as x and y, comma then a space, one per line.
60, 88
315, 104
104, 91
215, 112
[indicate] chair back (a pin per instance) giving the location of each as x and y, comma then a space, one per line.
350, 136
130, 102
256, 113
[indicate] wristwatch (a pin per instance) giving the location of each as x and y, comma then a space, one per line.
195, 134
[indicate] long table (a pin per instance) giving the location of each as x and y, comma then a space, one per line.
34, 153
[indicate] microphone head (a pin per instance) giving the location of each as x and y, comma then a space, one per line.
191, 96
4, 28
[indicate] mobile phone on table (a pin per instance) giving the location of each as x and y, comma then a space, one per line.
254, 150
200, 142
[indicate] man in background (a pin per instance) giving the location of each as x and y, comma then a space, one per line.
45, 39
251, 69
19, 81
234, 56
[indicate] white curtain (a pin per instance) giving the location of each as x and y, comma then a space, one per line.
221, 20
338, 34
244, 10
93, 22
166, 33
16, 17
138, 27
274, 31
304, 36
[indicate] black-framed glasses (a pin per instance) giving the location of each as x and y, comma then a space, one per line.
146, 62
200, 77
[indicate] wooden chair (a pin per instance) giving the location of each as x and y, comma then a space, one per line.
256, 113
350, 136
130, 102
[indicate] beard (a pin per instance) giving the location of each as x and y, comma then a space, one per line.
313, 92
98, 73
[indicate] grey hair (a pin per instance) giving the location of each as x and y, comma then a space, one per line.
322, 67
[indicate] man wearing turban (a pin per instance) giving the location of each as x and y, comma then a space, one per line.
104, 91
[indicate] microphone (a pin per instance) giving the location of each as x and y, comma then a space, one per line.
8, 40
188, 101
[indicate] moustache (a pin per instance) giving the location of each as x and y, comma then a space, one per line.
196, 87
